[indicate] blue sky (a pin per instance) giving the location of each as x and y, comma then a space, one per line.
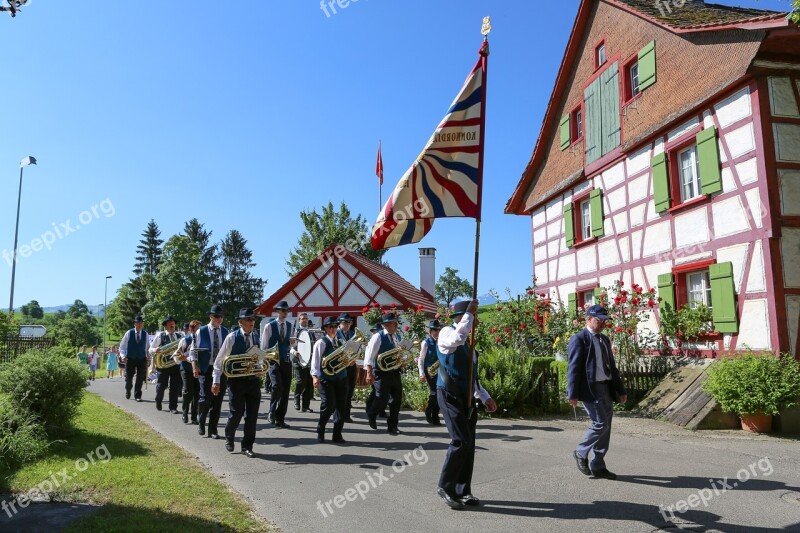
244, 113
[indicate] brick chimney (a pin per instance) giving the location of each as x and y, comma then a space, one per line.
427, 270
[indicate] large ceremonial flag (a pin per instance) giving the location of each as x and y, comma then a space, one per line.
445, 180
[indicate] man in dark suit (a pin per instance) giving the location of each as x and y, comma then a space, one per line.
593, 379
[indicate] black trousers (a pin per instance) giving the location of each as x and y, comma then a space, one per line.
137, 368
352, 372
210, 406
244, 398
303, 386
191, 392
280, 375
388, 390
456, 476
333, 395
169, 378
432, 409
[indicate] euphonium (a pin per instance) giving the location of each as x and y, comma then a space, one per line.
252, 363
344, 355
164, 358
433, 369
397, 356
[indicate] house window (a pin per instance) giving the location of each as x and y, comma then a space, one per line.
600, 55
698, 289
689, 174
631, 80
587, 298
586, 219
576, 125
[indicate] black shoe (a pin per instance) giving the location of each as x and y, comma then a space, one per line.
173, 411
214, 436
583, 464
229, 446
320, 436
297, 407
384, 415
127, 395
271, 418
248, 453
451, 502
201, 429
282, 425
469, 499
195, 422
373, 423
139, 400
393, 432
308, 410
338, 439
604, 474
158, 406
349, 420
185, 419
436, 421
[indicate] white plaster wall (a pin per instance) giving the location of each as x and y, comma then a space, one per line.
691, 227
608, 228
584, 185
540, 271
538, 218
787, 141
737, 255
684, 259
638, 161
638, 188
733, 108
708, 119
636, 245
614, 176
790, 254
587, 259
347, 267
616, 200
657, 238
540, 253
792, 320
305, 285
566, 266
681, 130
327, 282
649, 324
637, 215
608, 280
552, 269
353, 296
652, 272
540, 235
754, 331
729, 217
553, 248
384, 298
658, 147
790, 191
728, 183
757, 278
740, 141
756, 208
555, 229
781, 97
625, 248
651, 211
621, 222
608, 253
748, 171
554, 209
370, 286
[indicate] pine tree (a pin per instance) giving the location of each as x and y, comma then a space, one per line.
238, 287
207, 262
148, 253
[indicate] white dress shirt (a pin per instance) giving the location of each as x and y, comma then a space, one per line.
450, 339
374, 346
423, 352
157, 340
316, 356
212, 331
225, 351
123, 344
266, 334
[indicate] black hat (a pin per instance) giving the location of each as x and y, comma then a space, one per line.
460, 308
597, 311
185, 325
216, 309
377, 326
246, 312
345, 317
434, 324
330, 321
137, 318
283, 305
167, 319
389, 317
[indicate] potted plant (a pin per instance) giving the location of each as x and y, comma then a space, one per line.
755, 386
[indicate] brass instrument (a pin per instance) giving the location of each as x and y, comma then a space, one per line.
433, 369
252, 363
164, 357
398, 356
344, 355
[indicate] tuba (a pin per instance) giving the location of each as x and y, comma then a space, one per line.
344, 355
165, 356
252, 363
397, 356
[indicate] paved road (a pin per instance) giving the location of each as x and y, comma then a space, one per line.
524, 475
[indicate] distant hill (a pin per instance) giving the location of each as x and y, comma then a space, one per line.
93, 309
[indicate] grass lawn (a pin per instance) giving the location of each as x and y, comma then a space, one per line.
148, 484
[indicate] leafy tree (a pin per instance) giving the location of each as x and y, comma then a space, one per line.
330, 227
8, 325
450, 286
35, 310
128, 302
179, 288
238, 288
209, 254
77, 325
795, 14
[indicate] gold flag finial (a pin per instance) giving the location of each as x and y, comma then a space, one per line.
487, 26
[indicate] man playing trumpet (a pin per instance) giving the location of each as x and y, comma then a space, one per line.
332, 389
388, 383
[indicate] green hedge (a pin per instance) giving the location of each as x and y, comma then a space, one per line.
22, 437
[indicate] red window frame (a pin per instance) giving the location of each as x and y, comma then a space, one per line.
596, 59
627, 88
575, 133
581, 291
673, 170
680, 272
576, 217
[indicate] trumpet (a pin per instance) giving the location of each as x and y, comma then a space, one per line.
433, 369
165, 357
344, 355
397, 356
252, 363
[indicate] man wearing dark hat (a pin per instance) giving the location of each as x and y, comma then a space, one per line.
344, 334
593, 379
428, 356
332, 389
388, 385
303, 384
244, 393
191, 385
374, 329
204, 350
133, 348
169, 377
278, 332
457, 405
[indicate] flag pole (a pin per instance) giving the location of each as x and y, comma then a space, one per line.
484, 52
380, 182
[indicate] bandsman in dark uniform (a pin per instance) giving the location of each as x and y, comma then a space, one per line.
303, 384
427, 357
191, 385
460, 414
332, 389
344, 334
278, 332
244, 393
388, 385
169, 377
205, 348
133, 348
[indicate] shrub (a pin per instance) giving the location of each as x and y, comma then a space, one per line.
754, 384
22, 438
415, 392
509, 377
48, 386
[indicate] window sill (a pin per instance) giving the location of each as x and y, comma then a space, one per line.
584, 242
631, 100
575, 142
689, 203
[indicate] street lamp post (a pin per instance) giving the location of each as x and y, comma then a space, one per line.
22, 164
105, 312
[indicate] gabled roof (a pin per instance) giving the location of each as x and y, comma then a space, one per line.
694, 16
389, 281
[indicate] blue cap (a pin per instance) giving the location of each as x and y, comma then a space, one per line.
597, 311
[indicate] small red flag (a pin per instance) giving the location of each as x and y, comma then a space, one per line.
379, 166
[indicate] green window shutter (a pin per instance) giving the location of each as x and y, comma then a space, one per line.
592, 122
666, 290
647, 65
723, 298
565, 132
572, 305
609, 104
596, 210
658, 166
598, 292
708, 161
569, 225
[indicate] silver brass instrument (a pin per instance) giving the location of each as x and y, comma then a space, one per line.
344, 355
433, 369
252, 363
398, 356
164, 358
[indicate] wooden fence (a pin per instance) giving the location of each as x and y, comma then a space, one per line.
12, 347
